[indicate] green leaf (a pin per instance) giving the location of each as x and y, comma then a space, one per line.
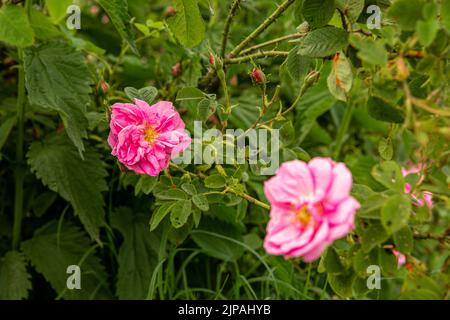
5, 129
323, 42
57, 9
407, 13
57, 78
351, 8
160, 214
81, 182
171, 194
138, 254
187, 24
53, 249
201, 202
445, 14
369, 50
404, 240
341, 283
147, 94
14, 278
297, 65
427, 31
382, 110
395, 213
117, 10
388, 173
145, 184
318, 12
43, 28
15, 28
332, 262
364, 259
189, 188
385, 149
219, 239
373, 235
215, 181
340, 79
180, 213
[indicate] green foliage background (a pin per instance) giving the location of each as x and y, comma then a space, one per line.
375, 99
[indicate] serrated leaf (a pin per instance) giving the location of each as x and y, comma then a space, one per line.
201, 202
160, 214
318, 12
323, 42
138, 254
57, 78
145, 184
404, 240
57, 9
15, 28
373, 235
189, 188
51, 252
385, 149
341, 283
81, 182
297, 65
180, 213
395, 213
148, 94
340, 79
14, 278
369, 50
187, 24
351, 8
117, 10
381, 110
331, 262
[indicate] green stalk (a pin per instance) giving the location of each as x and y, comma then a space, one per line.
343, 129
19, 172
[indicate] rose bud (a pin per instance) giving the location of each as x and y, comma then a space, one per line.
102, 87
212, 59
176, 69
258, 76
170, 11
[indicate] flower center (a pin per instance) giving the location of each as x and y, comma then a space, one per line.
303, 216
150, 135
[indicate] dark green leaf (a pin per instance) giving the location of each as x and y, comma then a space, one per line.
14, 278
318, 12
323, 42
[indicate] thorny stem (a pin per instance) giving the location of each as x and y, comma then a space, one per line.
438, 237
226, 30
270, 42
251, 199
258, 55
263, 26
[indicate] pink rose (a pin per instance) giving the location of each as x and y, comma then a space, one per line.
401, 259
311, 207
144, 138
427, 197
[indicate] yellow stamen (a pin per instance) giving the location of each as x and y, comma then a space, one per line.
150, 135
303, 216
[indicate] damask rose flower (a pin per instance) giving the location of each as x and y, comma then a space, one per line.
311, 207
144, 138
427, 196
401, 258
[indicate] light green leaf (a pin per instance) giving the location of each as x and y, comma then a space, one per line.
404, 240
407, 13
57, 78
201, 202
351, 8
53, 249
81, 182
388, 173
370, 50
318, 12
14, 278
385, 149
187, 24
160, 214
147, 94
323, 42
15, 28
395, 213
445, 14
57, 9
340, 79
180, 213
43, 28
189, 188
117, 10
427, 31
215, 181
341, 283
373, 235
145, 184
138, 254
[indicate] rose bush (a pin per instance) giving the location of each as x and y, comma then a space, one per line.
101, 165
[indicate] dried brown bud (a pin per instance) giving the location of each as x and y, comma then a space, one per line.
176, 69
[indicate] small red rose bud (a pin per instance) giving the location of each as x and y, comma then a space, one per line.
212, 59
102, 87
258, 76
176, 69
234, 81
170, 11
94, 10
